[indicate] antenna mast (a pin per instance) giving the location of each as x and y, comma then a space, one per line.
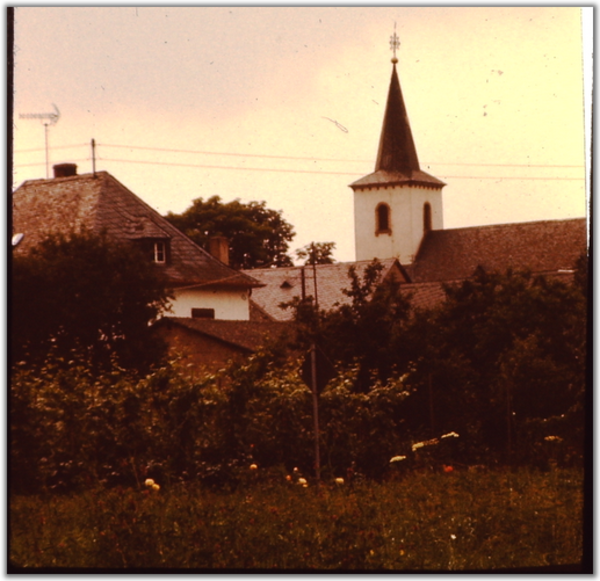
48, 119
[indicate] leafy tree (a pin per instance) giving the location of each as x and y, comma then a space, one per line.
84, 292
316, 253
362, 333
503, 351
258, 236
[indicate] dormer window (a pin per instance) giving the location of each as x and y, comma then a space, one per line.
382, 219
160, 252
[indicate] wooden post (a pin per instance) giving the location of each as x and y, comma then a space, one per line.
431, 416
313, 366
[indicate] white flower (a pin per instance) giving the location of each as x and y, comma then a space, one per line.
453, 537
397, 459
450, 435
417, 446
339, 481
253, 467
156, 487
149, 482
302, 481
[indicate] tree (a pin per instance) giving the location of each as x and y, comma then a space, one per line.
258, 236
83, 292
504, 352
316, 253
361, 333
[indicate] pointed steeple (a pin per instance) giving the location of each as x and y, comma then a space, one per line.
397, 161
397, 151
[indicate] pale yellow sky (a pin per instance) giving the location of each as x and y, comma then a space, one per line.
494, 97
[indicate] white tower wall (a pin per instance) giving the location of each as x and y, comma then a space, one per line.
406, 216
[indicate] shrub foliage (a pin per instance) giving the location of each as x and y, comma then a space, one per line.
501, 362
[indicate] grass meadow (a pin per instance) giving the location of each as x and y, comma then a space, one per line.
418, 521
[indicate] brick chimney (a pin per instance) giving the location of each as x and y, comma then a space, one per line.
218, 246
64, 170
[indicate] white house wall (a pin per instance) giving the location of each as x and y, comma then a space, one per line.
228, 304
406, 220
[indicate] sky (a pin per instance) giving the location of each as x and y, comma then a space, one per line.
285, 105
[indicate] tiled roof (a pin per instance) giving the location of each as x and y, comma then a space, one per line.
283, 284
390, 178
424, 295
247, 335
101, 203
542, 247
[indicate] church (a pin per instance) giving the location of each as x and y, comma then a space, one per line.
218, 313
398, 219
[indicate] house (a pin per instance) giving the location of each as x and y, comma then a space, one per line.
205, 345
398, 218
202, 285
326, 282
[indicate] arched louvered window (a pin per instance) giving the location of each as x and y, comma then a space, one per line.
426, 217
382, 219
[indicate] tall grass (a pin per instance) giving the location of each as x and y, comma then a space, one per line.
457, 520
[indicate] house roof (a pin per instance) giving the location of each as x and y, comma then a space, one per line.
543, 247
281, 285
100, 203
397, 161
245, 335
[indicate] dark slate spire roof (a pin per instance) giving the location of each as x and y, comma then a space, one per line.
397, 161
396, 147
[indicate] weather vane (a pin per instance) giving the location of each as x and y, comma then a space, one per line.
394, 44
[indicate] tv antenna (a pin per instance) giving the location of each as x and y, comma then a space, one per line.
48, 119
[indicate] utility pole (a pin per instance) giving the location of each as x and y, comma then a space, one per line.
48, 119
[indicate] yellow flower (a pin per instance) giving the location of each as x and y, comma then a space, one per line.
302, 481
253, 467
397, 459
339, 481
149, 482
156, 487
553, 439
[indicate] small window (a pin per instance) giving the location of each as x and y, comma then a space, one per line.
203, 313
160, 252
426, 217
382, 219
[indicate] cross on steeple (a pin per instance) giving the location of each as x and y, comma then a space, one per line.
394, 44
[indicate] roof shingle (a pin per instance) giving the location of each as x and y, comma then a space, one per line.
542, 247
247, 335
281, 285
102, 204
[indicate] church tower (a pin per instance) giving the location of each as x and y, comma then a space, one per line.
397, 204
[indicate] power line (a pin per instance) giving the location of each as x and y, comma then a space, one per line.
280, 170
327, 159
299, 158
